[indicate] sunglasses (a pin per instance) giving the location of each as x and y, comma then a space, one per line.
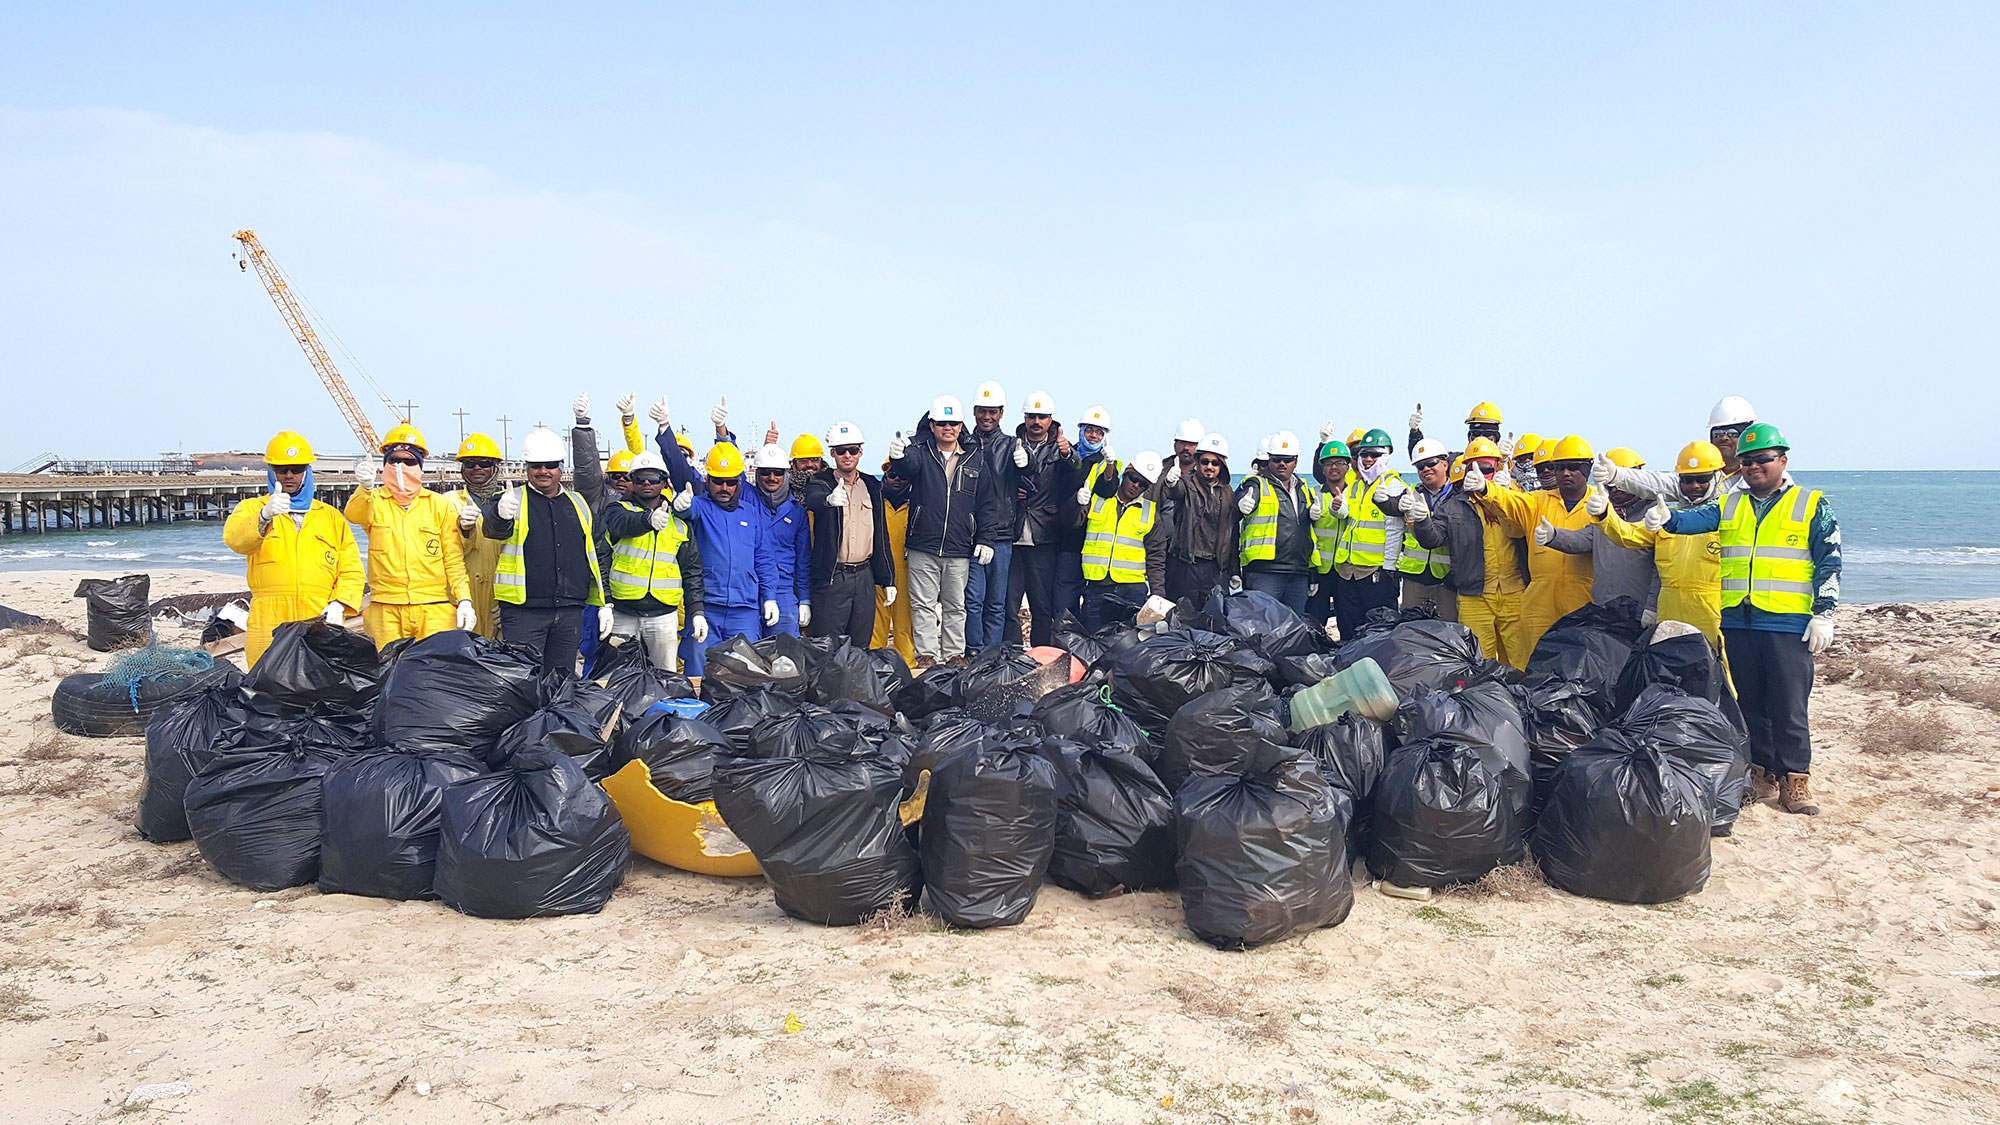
935, 422
617, 476
648, 478
545, 464
772, 472
478, 463
1758, 459
1369, 454
1569, 466
1209, 462
847, 451
1431, 464
1731, 432
401, 461
289, 470
1282, 459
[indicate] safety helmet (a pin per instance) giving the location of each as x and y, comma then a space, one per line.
1545, 450
1374, 439
723, 460
289, 448
1147, 464
1190, 429
1333, 449
687, 444
1698, 458
478, 445
1214, 443
402, 433
1763, 435
1625, 458
1041, 402
1484, 412
1284, 443
806, 445
1096, 416
1354, 437
1733, 410
649, 460
1458, 464
1263, 447
989, 394
542, 445
1571, 448
841, 433
1429, 448
945, 408
771, 457
1527, 445
1477, 447
621, 462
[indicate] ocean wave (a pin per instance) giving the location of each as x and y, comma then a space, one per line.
1923, 556
207, 558
31, 553
102, 543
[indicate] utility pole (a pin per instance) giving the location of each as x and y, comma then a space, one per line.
409, 412
504, 445
461, 424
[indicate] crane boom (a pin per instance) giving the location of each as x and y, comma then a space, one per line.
302, 331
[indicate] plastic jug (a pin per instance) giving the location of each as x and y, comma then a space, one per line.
1360, 687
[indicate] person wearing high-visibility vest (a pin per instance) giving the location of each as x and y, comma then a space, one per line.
1276, 551
655, 573
1780, 585
416, 568
547, 570
1689, 566
1424, 568
478, 474
1125, 548
1487, 564
1368, 557
1617, 569
303, 561
1094, 458
1330, 469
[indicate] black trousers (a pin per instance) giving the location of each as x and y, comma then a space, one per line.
1111, 603
1193, 578
1033, 574
1319, 602
556, 634
1774, 677
845, 606
1354, 597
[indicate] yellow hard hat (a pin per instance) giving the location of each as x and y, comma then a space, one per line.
290, 447
621, 462
1571, 448
1354, 438
1698, 458
1545, 450
805, 446
724, 460
1528, 444
1484, 412
681, 439
1625, 458
478, 445
405, 434
1483, 447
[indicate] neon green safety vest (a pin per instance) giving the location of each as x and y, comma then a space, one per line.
1114, 542
1260, 527
1326, 538
649, 563
1364, 541
510, 572
1769, 561
1418, 558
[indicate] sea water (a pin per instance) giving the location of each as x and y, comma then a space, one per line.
1905, 537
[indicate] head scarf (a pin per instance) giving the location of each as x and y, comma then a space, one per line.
301, 502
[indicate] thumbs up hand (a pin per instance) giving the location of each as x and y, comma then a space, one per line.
1597, 503
1657, 516
1544, 531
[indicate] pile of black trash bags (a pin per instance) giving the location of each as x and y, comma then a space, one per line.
1146, 757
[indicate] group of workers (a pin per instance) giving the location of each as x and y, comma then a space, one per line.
967, 521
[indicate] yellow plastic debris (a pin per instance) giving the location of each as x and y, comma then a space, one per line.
690, 837
1167, 1102
793, 1025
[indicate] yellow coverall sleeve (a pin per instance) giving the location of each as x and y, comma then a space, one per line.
1515, 509
361, 506
633, 440
459, 589
350, 579
240, 532
1626, 534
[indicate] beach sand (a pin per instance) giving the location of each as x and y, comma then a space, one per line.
1836, 968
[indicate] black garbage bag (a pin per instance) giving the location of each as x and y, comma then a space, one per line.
946, 733
737, 664
1625, 821
1157, 676
1084, 713
456, 693
1263, 853
1384, 618
1561, 716
1676, 655
1422, 652
1485, 717
934, 689
118, 611
1114, 820
1259, 622
534, 838
845, 673
15, 619
311, 662
995, 666
1307, 670
253, 804
580, 719
1695, 731
621, 667
1350, 753
378, 824
1589, 646
1000, 690
823, 827
1069, 636
1444, 814
736, 716
796, 733
892, 672
1218, 732
989, 830
190, 725
679, 753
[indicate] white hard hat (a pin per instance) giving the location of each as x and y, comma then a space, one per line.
1732, 411
989, 394
648, 460
1190, 430
946, 409
1263, 447
1041, 402
843, 433
771, 457
542, 445
1216, 444
1097, 416
1147, 464
1284, 443
1427, 449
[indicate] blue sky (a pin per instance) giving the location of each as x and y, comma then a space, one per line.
1265, 217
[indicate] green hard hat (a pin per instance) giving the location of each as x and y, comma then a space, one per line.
1333, 449
1763, 435
1376, 439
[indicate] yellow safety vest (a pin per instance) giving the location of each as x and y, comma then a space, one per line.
1417, 558
510, 573
1769, 561
1260, 527
649, 563
1114, 543
1364, 541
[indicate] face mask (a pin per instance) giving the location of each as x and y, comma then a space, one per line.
404, 481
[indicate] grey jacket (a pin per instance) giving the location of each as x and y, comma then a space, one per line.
1615, 571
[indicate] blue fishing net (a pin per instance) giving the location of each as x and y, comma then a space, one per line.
154, 662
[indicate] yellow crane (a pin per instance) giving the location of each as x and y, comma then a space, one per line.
302, 331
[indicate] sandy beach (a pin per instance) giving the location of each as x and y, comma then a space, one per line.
1842, 968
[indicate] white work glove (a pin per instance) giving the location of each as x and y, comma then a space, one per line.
581, 408
1247, 503
1317, 507
1235, 583
1819, 633
1415, 507
1602, 472
1391, 487
603, 622
838, 497
1173, 476
509, 504
1417, 418
888, 596
366, 474
659, 518
1657, 516
770, 613
1507, 449
684, 499
628, 407
1648, 618
983, 555
698, 628
805, 615
1110, 454
1597, 503
1544, 531
1020, 456
1326, 432
335, 613
1503, 478
720, 415
276, 506
1407, 500
468, 618
658, 412
1338, 500
1083, 495
468, 515
1475, 480
897, 445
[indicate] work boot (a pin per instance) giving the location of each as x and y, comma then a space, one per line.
957, 661
1795, 794
1763, 784
923, 664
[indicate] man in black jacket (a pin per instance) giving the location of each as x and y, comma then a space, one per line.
1047, 469
850, 542
988, 619
954, 521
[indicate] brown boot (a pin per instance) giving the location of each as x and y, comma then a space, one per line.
1763, 784
1795, 794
